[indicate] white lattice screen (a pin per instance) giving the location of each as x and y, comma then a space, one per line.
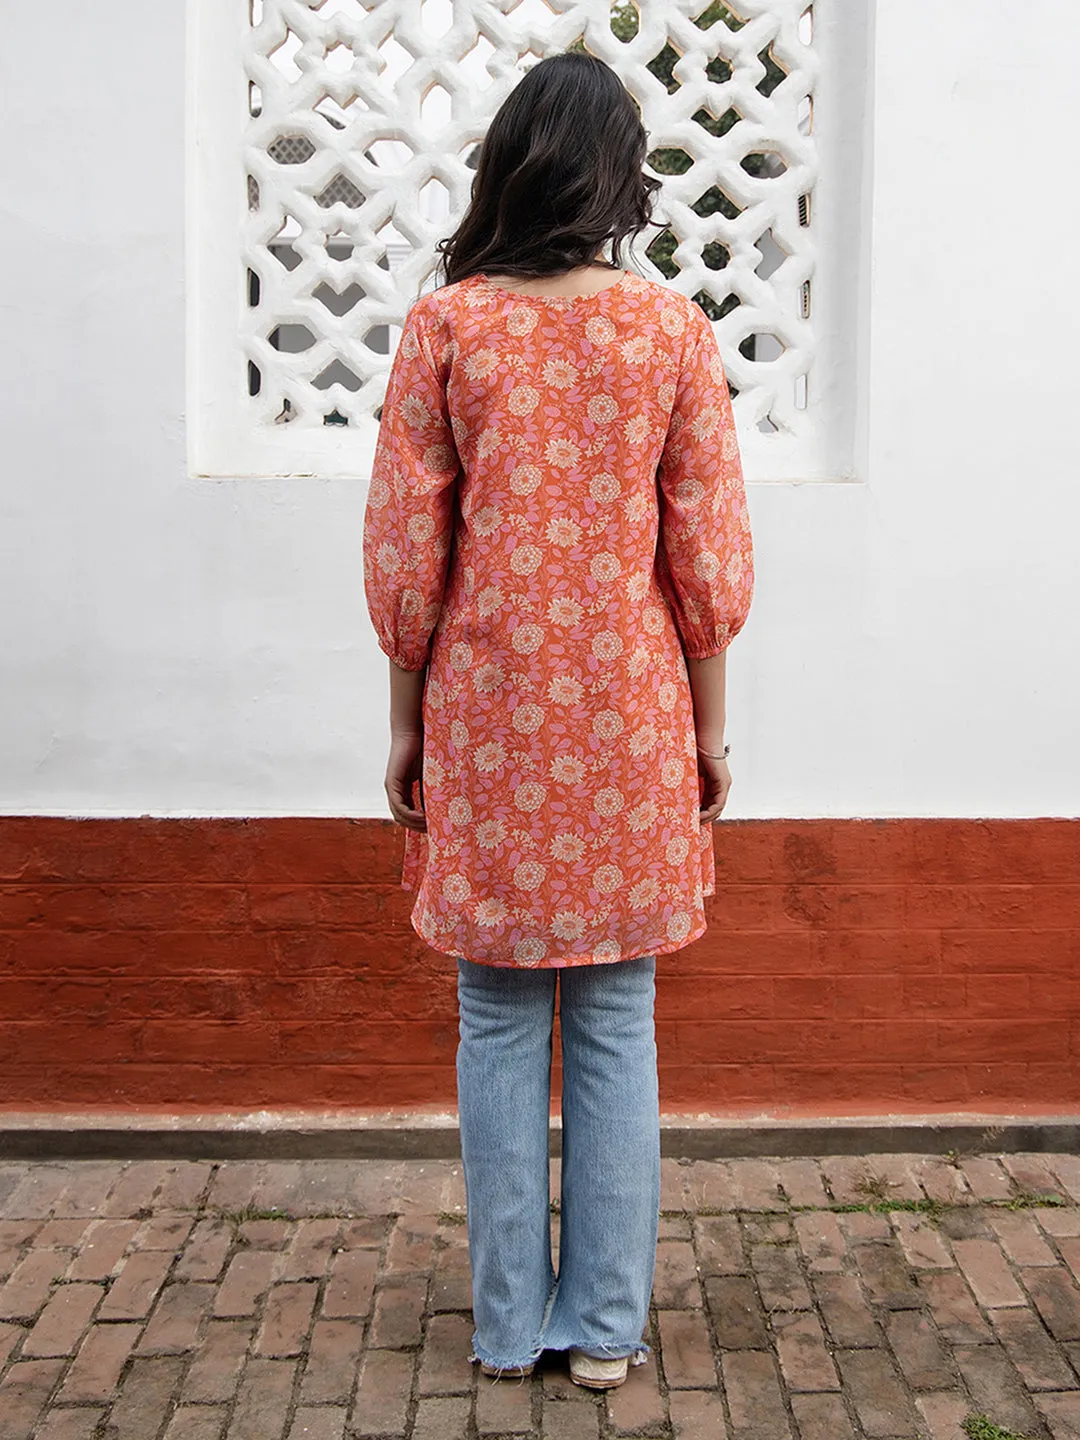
334, 143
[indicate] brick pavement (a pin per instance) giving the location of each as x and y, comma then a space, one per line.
883, 1296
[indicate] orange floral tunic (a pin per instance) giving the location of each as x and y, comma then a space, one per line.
556, 516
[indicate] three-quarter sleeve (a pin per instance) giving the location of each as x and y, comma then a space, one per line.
705, 559
409, 517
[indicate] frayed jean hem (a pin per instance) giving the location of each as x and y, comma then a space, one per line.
487, 1358
479, 1353
637, 1352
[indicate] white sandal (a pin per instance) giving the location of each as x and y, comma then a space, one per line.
507, 1372
497, 1372
597, 1374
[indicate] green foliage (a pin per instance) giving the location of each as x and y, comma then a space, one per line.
981, 1427
671, 161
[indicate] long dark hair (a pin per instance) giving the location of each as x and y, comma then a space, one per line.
559, 174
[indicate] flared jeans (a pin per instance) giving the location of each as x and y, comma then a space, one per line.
610, 1183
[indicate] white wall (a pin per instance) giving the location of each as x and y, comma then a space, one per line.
173, 646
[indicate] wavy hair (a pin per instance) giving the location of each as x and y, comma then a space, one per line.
559, 175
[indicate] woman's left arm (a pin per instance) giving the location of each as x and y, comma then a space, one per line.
405, 765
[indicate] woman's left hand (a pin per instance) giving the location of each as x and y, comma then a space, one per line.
404, 768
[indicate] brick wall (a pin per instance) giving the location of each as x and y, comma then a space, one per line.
851, 966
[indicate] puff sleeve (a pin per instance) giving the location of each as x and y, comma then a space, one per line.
705, 559
409, 516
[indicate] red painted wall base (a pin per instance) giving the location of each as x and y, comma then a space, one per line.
851, 966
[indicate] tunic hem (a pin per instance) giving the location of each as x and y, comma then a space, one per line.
564, 962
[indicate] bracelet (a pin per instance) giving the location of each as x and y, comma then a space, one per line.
706, 753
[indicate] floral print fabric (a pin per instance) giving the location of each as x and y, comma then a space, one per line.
556, 516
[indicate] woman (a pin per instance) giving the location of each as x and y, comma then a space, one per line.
557, 553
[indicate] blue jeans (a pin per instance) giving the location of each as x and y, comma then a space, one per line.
610, 1193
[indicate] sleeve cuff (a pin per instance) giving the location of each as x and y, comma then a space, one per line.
404, 661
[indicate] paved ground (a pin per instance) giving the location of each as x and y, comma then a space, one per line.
883, 1296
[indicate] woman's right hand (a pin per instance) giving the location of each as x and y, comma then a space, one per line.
714, 782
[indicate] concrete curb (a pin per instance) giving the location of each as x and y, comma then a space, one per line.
416, 1135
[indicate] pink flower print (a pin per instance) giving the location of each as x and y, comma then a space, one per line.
480, 363
489, 757
605, 566
561, 530
565, 611
560, 374
569, 848
600, 330
608, 802
490, 834
602, 409
566, 770
607, 645
490, 913
529, 875
562, 452
637, 349
644, 893
525, 559
525, 479
565, 690
530, 795
569, 925
489, 601
523, 400
527, 718
607, 878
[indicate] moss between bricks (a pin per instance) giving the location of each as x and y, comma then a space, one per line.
932, 1209
981, 1427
